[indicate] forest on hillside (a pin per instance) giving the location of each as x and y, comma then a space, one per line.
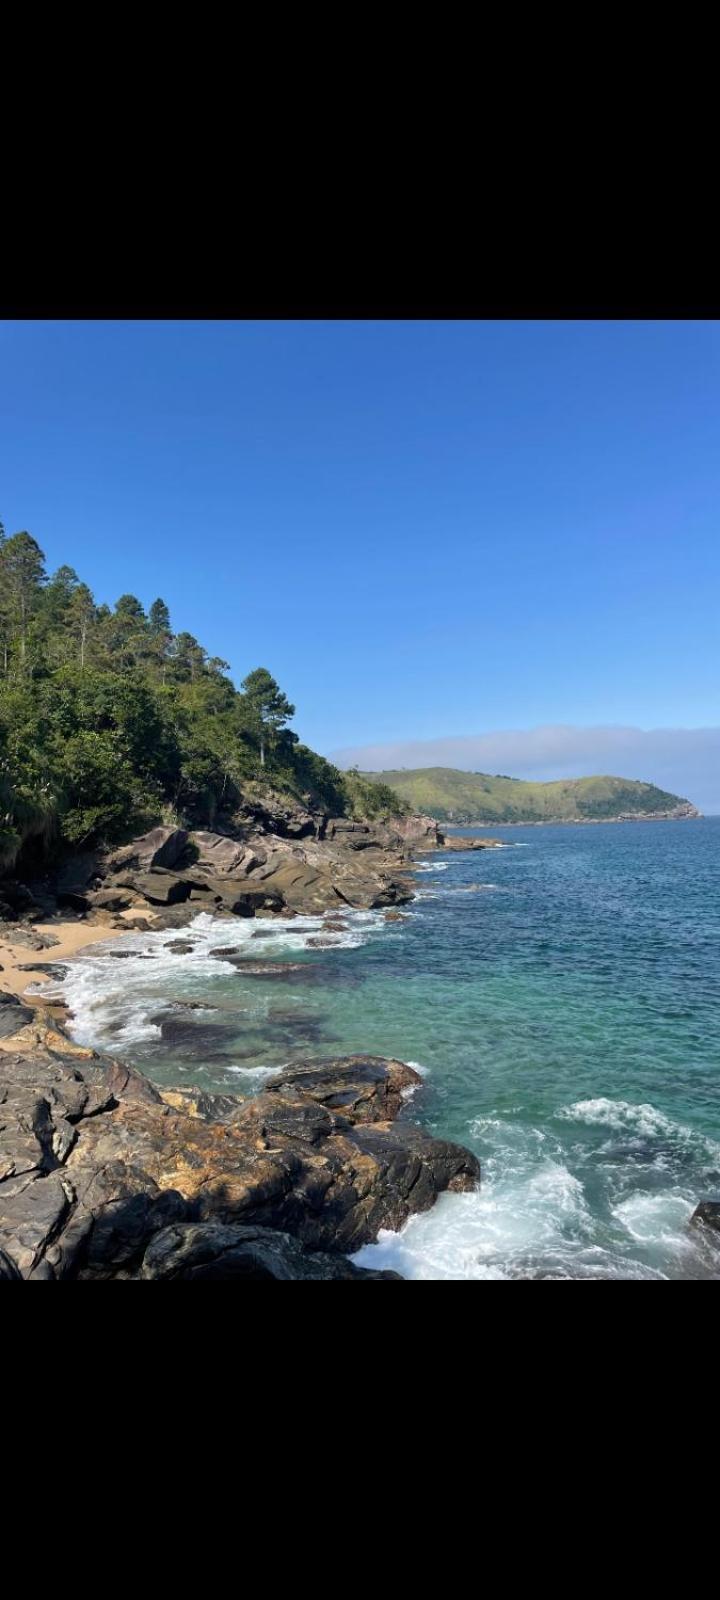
110, 721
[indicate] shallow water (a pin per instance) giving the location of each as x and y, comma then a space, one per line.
562, 996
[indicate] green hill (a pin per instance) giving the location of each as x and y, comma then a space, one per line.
476, 797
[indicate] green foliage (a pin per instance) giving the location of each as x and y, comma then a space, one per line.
475, 797
109, 721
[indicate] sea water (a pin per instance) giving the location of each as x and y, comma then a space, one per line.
561, 997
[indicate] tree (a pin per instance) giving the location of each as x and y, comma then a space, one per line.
159, 617
82, 614
269, 709
22, 575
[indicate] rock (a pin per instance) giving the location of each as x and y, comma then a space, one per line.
13, 1018
113, 899
161, 847
394, 916
159, 887
180, 947
8, 1270
54, 969
226, 950
30, 939
18, 896
101, 1176
221, 855
707, 1215
213, 1250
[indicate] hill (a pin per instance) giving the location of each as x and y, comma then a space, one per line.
477, 797
112, 721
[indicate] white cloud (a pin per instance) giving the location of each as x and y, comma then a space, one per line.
684, 760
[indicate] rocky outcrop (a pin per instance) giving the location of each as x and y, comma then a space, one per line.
102, 1176
707, 1215
278, 857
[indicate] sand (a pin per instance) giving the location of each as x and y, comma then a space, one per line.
73, 937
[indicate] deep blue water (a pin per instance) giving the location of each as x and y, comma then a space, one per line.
562, 996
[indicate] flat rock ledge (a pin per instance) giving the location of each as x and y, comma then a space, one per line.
103, 1177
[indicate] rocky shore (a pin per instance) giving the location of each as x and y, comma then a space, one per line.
102, 1176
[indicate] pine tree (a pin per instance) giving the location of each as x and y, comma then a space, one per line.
268, 707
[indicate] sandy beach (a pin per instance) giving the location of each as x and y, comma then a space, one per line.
72, 937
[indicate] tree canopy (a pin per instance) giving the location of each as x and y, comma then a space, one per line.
110, 721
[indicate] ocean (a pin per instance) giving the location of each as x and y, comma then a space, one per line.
561, 999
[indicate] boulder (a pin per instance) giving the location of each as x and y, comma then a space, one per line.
158, 887
220, 855
161, 847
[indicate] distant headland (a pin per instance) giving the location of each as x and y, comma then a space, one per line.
477, 798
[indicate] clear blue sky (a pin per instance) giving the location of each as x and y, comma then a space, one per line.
422, 529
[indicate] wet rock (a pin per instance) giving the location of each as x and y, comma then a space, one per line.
197, 1252
96, 1165
707, 1215
394, 916
53, 969
180, 947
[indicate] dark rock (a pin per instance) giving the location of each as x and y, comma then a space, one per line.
180, 947
707, 1215
96, 1166
12, 1019
8, 1269
213, 1250
54, 969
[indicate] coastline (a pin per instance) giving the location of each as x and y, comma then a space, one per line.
68, 939
584, 822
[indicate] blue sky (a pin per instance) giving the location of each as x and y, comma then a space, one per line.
424, 530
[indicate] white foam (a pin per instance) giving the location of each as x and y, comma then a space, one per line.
113, 1000
658, 1219
640, 1121
501, 1230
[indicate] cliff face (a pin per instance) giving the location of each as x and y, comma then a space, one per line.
101, 1176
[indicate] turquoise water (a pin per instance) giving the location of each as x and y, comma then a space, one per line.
562, 998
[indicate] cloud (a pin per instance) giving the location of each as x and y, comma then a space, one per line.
683, 760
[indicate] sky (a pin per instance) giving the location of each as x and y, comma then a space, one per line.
428, 531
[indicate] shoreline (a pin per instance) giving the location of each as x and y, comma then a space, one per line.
71, 937
577, 822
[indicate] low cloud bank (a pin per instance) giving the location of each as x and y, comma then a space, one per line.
683, 760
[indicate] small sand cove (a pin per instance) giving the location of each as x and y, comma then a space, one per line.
71, 937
